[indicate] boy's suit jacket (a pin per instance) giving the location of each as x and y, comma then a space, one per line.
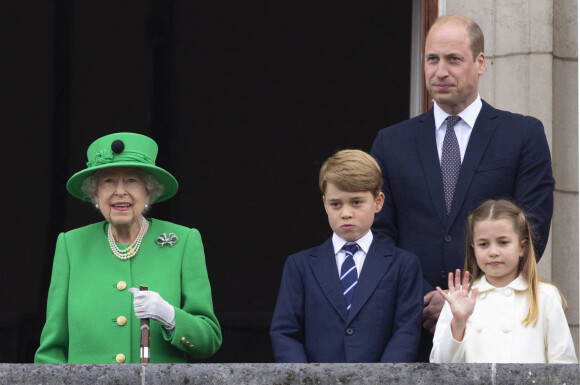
311, 323
507, 157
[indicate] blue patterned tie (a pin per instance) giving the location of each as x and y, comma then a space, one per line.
348, 274
450, 160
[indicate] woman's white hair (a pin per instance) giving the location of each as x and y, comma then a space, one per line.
154, 188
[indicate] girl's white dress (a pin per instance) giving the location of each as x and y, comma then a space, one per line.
495, 332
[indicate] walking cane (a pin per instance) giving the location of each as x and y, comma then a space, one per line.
144, 335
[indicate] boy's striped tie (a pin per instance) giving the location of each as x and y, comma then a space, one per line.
348, 274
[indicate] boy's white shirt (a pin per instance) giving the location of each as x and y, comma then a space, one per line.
495, 333
359, 257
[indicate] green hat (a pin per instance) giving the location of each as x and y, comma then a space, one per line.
123, 149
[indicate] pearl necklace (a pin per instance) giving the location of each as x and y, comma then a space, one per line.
133, 248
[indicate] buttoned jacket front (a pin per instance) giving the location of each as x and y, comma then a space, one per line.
311, 323
89, 292
495, 332
507, 156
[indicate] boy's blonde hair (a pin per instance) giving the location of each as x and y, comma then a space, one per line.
352, 171
505, 209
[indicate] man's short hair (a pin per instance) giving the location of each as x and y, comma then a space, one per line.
474, 32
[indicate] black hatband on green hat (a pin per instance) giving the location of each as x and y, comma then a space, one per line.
123, 149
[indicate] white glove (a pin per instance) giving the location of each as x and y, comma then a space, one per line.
149, 304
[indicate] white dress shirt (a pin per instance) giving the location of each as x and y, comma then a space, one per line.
462, 129
495, 333
364, 243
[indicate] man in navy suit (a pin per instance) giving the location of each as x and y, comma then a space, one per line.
356, 297
498, 155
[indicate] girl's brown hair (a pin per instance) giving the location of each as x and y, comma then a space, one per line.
505, 209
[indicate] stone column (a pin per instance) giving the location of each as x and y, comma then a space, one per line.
531, 49
565, 265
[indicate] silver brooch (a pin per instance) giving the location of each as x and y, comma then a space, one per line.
165, 239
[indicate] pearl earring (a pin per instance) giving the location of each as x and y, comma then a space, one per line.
146, 205
96, 205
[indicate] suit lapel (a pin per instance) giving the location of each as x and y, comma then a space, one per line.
427, 149
323, 265
376, 264
483, 129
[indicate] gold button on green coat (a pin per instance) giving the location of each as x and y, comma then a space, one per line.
81, 301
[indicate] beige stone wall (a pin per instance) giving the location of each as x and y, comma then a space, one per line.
565, 156
532, 68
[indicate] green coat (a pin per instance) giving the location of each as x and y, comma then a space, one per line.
87, 297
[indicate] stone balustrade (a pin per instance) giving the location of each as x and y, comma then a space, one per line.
288, 374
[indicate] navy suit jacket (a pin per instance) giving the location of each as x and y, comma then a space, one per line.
311, 323
507, 157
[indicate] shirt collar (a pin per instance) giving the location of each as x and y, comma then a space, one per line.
363, 242
483, 285
468, 115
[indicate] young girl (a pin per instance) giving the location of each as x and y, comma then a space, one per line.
517, 319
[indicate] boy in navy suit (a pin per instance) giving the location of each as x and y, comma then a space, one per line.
356, 297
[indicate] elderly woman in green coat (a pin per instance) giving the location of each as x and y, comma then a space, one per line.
94, 306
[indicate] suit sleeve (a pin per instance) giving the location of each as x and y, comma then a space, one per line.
287, 329
386, 219
534, 184
195, 321
55, 337
404, 342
